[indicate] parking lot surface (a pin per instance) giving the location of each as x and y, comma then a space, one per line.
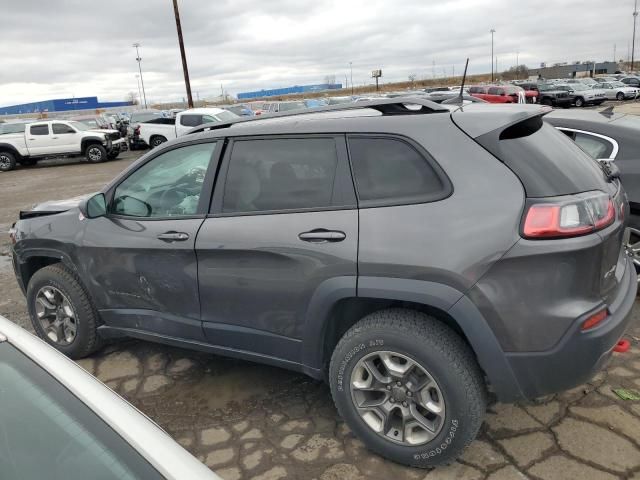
246, 420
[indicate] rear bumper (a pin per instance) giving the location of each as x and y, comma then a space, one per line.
578, 356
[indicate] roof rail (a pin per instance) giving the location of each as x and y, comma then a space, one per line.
386, 106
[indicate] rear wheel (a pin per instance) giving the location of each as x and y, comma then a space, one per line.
61, 311
156, 141
408, 387
113, 154
7, 161
546, 101
620, 96
579, 102
96, 153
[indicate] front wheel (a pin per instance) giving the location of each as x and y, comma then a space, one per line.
96, 153
61, 311
620, 96
409, 387
113, 155
579, 102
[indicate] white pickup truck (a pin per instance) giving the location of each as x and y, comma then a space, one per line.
26, 143
154, 134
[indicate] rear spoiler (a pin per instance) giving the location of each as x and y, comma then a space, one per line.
479, 119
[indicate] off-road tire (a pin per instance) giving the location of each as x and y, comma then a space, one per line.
95, 153
87, 339
436, 348
156, 141
7, 161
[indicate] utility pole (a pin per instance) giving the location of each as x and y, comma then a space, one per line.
139, 91
138, 59
182, 54
351, 68
517, 65
614, 53
492, 31
633, 40
433, 68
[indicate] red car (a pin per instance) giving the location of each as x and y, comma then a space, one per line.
502, 93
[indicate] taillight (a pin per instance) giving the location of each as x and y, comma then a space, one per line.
594, 320
568, 216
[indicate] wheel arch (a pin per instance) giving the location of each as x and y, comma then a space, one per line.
7, 147
333, 311
35, 260
89, 141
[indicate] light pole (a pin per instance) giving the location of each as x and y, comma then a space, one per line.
492, 31
633, 41
517, 65
138, 59
182, 54
139, 91
351, 68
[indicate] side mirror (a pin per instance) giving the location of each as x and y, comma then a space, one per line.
95, 206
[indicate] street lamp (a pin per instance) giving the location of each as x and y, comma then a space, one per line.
633, 41
351, 68
139, 91
492, 31
138, 59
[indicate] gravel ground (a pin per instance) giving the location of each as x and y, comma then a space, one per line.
246, 420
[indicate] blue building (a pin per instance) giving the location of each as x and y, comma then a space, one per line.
289, 90
61, 105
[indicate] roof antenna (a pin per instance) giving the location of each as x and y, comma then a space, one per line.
464, 79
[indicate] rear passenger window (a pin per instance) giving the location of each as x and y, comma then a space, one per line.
389, 170
39, 129
191, 120
280, 174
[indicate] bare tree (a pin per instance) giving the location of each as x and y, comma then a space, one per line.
132, 98
330, 79
412, 78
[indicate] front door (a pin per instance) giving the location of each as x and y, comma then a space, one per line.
140, 260
283, 227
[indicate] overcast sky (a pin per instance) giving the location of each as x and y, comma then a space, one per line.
65, 48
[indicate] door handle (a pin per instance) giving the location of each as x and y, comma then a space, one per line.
322, 235
54, 138
173, 236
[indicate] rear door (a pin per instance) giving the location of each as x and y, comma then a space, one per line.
283, 224
39, 140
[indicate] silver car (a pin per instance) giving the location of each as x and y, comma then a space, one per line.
59, 422
618, 90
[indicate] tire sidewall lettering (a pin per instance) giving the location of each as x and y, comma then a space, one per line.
360, 347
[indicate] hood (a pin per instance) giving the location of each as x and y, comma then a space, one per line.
102, 130
54, 206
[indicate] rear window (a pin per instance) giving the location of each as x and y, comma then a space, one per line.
391, 171
546, 161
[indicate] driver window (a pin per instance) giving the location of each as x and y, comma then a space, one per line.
167, 186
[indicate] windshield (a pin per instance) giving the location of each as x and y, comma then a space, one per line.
6, 128
617, 84
226, 116
82, 126
46, 432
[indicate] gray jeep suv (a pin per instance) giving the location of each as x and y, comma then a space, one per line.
413, 256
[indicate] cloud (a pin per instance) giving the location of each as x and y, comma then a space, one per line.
75, 47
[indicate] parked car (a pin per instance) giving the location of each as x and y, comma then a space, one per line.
605, 79
58, 421
301, 256
581, 95
56, 138
552, 94
275, 107
631, 81
241, 109
503, 93
584, 80
155, 134
618, 90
